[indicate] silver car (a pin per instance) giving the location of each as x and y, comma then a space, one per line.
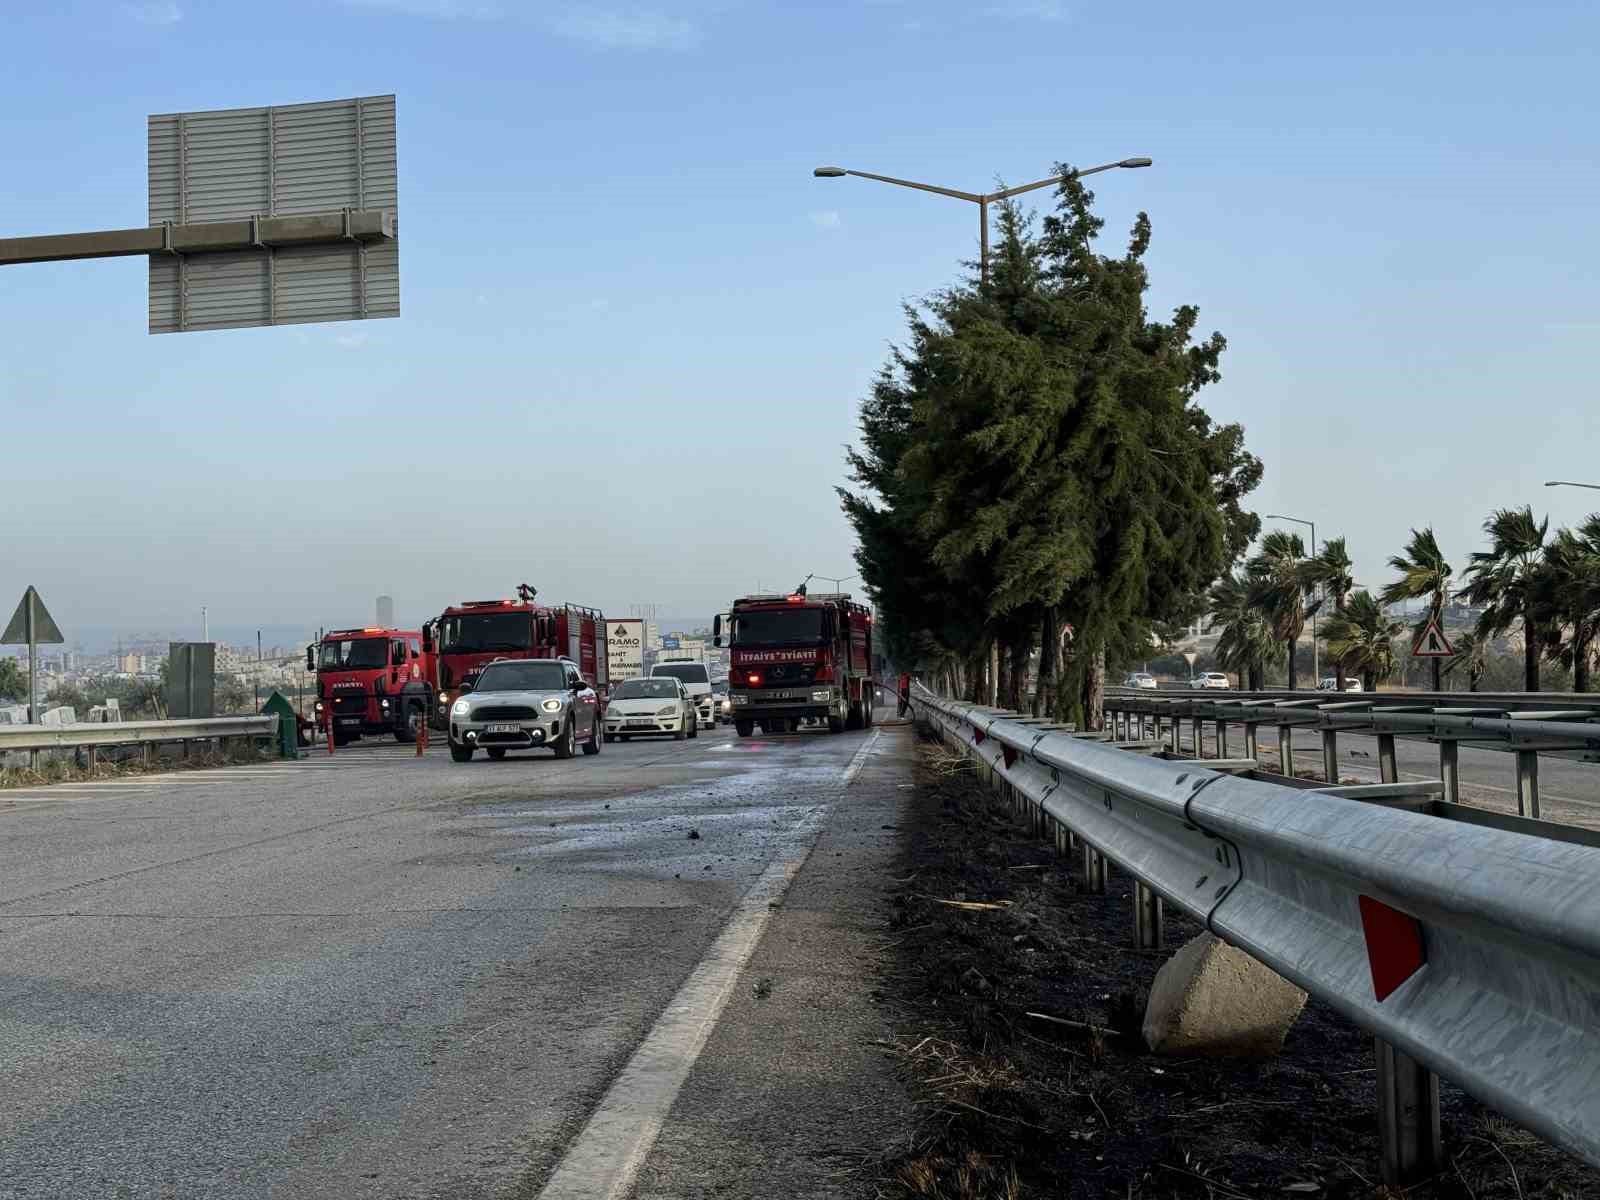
526, 704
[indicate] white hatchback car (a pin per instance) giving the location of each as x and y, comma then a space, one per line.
1330, 683
1141, 679
1210, 679
646, 707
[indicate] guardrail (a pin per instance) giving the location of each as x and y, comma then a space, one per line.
1469, 949
125, 733
1526, 725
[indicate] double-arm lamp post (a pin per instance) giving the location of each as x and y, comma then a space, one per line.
981, 199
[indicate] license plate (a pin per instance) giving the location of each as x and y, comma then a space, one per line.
349, 720
505, 729
641, 724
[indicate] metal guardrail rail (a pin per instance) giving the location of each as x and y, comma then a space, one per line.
1523, 724
125, 733
1469, 949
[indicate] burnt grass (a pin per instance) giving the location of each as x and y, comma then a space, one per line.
1015, 1106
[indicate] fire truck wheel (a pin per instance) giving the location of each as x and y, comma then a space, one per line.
866, 713
835, 723
744, 728
853, 720
565, 745
343, 739
495, 752
460, 753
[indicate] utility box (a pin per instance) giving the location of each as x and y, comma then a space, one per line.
191, 688
288, 724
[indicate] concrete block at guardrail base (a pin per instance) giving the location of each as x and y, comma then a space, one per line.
1213, 998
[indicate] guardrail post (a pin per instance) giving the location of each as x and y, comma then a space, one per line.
1094, 871
1450, 769
1408, 1117
1330, 755
1286, 750
1177, 736
1251, 750
1149, 917
1387, 770
1222, 738
1528, 783
1199, 740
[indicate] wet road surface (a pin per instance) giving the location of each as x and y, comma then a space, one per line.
367, 975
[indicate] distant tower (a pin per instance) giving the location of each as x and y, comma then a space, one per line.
386, 612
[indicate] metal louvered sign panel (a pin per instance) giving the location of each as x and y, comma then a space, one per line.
251, 164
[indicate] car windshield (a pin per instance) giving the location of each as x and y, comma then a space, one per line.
688, 672
645, 689
354, 654
545, 676
486, 631
777, 627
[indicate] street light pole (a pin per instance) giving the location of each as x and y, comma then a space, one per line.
1316, 670
1569, 483
981, 199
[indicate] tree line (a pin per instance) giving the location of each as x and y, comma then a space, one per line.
1035, 479
1542, 587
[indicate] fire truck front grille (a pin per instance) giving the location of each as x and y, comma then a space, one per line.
504, 712
787, 674
350, 705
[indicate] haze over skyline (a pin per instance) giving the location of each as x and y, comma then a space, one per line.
635, 329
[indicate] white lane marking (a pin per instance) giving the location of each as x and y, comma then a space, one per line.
604, 1160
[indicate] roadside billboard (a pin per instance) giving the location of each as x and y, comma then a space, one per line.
625, 649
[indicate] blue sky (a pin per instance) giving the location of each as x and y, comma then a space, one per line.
636, 329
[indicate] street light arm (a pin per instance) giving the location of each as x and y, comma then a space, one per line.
921, 187
1033, 187
1569, 483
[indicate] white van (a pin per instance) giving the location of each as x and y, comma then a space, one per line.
697, 681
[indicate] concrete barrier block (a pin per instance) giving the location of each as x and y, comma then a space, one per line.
1212, 998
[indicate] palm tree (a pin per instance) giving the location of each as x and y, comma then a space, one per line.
1246, 644
1361, 639
1423, 574
1472, 653
1331, 569
1568, 598
1279, 584
1506, 584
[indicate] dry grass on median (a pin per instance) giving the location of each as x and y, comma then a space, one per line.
67, 768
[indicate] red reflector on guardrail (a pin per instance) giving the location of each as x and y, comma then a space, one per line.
1394, 945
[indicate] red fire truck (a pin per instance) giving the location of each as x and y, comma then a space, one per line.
466, 637
795, 656
371, 681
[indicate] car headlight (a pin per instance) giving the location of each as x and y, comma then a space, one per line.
460, 707
667, 711
552, 705
383, 704
319, 705
823, 695
741, 699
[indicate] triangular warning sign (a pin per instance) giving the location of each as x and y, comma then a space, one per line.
42, 626
1432, 643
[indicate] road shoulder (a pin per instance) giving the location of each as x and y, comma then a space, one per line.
794, 1094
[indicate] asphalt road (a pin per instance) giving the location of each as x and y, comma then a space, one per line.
367, 975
